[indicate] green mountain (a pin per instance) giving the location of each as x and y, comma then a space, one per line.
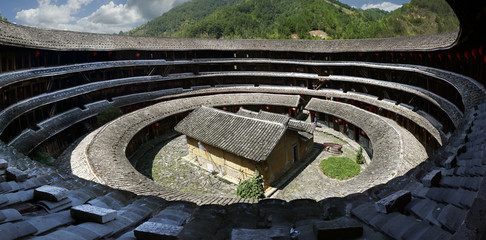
304, 19
181, 17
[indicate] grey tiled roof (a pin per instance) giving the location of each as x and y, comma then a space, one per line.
273, 117
293, 124
247, 113
250, 138
302, 126
16, 35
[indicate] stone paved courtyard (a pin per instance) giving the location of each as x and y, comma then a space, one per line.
311, 182
164, 164
169, 169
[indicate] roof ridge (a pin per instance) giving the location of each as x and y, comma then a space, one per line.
241, 116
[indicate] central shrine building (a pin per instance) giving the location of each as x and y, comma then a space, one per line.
234, 145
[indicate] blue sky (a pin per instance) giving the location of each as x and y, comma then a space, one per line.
388, 5
113, 16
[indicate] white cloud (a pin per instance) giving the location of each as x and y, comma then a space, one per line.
50, 14
108, 18
387, 6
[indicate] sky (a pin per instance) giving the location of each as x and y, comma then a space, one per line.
113, 16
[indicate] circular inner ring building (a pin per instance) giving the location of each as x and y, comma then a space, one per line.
417, 105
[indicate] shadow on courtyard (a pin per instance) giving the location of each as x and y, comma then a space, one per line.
143, 160
299, 167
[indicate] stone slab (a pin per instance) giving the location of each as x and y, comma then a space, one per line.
153, 230
3, 164
450, 162
394, 201
432, 178
14, 174
89, 213
50, 193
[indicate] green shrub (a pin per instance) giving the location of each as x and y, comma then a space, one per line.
107, 115
44, 158
340, 167
251, 188
359, 156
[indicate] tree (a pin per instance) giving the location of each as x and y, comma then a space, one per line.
107, 115
359, 156
3, 18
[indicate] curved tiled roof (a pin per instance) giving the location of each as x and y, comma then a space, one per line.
16, 35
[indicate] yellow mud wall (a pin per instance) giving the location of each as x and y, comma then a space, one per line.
233, 168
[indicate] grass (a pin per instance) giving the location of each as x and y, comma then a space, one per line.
339, 167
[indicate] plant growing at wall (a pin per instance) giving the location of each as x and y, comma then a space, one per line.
339, 167
107, 115
359, 156
44, 158
251, 187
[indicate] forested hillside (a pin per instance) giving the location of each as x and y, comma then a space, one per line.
181, 17
3, 18
304, 19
